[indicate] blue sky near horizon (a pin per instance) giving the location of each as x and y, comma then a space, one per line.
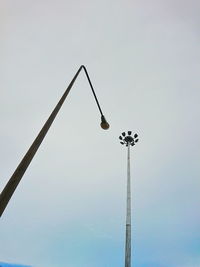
3, 264
143, 59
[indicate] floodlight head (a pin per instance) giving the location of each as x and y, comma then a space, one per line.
128, 139
104, 124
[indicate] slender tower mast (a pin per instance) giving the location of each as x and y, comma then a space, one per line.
128, 140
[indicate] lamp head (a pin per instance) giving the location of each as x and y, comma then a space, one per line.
104, 123
128, 139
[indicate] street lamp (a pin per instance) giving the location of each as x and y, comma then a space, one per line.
128, 140
12, 184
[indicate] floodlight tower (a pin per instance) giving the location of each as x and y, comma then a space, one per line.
128, 140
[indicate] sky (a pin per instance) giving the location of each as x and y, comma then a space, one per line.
143, 60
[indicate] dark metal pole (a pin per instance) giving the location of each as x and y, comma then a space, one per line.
12, 184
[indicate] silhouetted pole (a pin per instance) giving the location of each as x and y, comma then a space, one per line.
12, 184
128, 140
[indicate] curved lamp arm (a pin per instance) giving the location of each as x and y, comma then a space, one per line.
12, 184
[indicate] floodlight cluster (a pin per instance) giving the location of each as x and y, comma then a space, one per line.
127, 139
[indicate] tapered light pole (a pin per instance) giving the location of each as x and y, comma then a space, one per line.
12, 184
128, 140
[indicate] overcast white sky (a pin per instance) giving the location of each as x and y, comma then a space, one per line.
143, 59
